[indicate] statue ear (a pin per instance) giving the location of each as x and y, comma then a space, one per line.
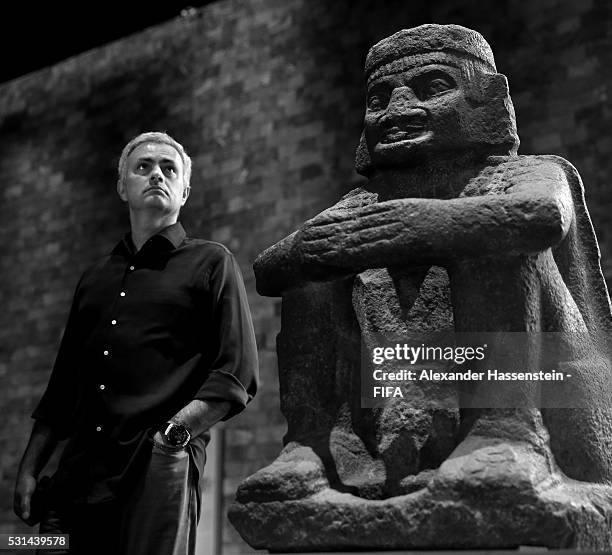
493, 119
494, 86
363, 163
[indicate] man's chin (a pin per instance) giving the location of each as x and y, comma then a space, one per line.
154, 202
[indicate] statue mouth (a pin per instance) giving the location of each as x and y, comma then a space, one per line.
411, 133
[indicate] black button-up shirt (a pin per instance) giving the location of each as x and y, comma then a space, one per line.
148, 332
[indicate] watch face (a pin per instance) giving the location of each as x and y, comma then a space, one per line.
178, 435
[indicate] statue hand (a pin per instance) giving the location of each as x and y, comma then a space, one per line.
353, 240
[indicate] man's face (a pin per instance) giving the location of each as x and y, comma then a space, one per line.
154, 179
415, 114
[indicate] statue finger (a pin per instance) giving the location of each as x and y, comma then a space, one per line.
376, 229
320, 246
382, 208
333, 218
324, 232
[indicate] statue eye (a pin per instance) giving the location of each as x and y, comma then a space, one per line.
432, 83
378, 99
436, 86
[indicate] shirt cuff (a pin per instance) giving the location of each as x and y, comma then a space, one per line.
222, 386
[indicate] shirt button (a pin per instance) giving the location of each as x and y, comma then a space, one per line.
98, 428
132, 268
113, 322
102, 387
105, 353
122, 293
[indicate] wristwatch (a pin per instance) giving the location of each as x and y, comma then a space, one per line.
176, 433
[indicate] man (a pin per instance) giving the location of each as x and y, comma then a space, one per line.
158, 347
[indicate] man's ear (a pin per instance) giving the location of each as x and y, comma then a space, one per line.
186, 191
121, 190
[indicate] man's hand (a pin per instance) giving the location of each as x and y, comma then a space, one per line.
352, 241
43, 442
161, 438
24, 489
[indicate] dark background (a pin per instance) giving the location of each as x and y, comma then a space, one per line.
35, 37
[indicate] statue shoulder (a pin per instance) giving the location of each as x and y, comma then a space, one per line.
510, 174
530, 165
552, 160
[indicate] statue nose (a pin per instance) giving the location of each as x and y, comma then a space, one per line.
403, 98
404, 104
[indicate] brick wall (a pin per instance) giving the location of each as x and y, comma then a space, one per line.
267, 96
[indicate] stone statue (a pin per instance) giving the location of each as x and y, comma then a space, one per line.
453, 231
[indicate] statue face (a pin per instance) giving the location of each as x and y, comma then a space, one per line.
416, 114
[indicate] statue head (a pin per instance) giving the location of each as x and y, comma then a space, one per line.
433, 92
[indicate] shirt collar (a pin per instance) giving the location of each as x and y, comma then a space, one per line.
174, 233
169, 238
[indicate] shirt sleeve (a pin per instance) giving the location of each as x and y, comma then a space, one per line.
58, 404
234, 372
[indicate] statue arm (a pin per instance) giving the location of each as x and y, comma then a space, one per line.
280, 267
533, 214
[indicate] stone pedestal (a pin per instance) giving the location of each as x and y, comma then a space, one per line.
497, 496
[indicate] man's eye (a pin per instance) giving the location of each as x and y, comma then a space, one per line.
170, 170
436, 86
142, 167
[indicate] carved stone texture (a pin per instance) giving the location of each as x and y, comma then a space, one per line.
453, 231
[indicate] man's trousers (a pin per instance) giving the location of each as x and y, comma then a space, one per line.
159, 518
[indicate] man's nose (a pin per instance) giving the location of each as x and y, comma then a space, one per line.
156, 175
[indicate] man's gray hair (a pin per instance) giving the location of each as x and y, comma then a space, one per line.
154, 137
